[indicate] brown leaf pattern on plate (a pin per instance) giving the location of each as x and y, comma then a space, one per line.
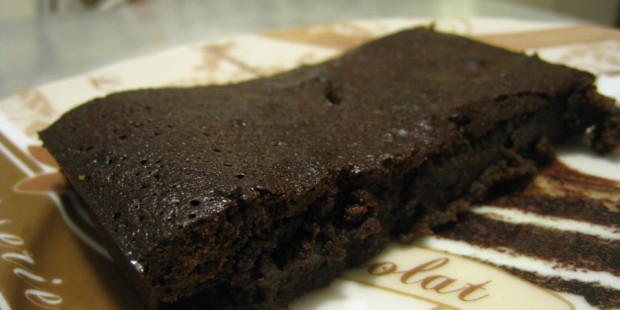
39, 107
602, 58
216, 61
34, 100
214, 57
105, 82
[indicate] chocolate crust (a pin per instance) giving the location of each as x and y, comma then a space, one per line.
247, 195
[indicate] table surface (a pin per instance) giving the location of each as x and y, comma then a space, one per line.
41, 49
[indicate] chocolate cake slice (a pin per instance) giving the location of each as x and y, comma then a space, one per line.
247, 195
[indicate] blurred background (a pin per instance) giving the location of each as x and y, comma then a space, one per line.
606, 12
46, 40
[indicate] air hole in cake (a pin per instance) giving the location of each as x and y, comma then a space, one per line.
331, 95
194, 203
240, 176
122, 137
332, 98
144, 161
191, 215
141, 218
117, 215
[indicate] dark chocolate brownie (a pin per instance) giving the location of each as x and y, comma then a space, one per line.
247, 195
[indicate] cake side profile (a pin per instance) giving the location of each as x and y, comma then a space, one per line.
247, 195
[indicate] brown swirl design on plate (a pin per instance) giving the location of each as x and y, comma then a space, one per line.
43, 182
44, 262
560, 192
